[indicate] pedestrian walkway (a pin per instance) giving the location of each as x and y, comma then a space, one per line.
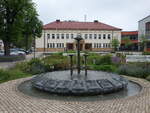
6, 65
14, 101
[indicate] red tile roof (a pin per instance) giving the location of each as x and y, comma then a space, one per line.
129, 33
73, 25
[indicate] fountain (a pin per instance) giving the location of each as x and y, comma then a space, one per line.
79, 82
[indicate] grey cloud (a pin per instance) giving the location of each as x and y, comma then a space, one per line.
120, 13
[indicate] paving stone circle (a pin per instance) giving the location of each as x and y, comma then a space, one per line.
13, 101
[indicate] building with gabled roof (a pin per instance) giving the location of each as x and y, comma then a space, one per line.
59, 36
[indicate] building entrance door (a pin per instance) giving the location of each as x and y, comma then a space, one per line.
81, 47
70, 46
88, 46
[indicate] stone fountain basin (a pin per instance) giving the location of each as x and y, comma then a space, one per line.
96, 83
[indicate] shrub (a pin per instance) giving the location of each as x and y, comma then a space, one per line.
70, 51
134, 70
146, 53
23, 66
34, 66
116, 60
121, 56
148, 78
92, 58
106, 59
108, 68
57, 61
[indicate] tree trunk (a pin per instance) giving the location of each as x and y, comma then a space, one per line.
7, 48
26, 42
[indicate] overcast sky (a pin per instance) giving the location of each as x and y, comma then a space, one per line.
124, 14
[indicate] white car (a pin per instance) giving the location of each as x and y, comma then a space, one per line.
15, 52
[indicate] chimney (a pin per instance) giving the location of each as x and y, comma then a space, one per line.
58, 20
95, 21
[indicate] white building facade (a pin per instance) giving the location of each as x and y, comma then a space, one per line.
144, 27
144, 30
59, 36
1, 45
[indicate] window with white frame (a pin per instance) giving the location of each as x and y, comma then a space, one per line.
109, 36
99, 36
57, 36
62, 45
62, 36
104, 45
53, 45
57, 45
48, 45
99, 45
67, 36
86, 36
90, 36
94, 45
95, 36
104, 36
72, 36
48, 36
53, 36
109, 45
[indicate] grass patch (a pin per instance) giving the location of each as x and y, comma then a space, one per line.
6, 75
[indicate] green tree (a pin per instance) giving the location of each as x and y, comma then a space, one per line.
115, 44
32, 27
143, 42
127, 42
12, 21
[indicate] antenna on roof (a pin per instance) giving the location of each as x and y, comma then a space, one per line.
85, 16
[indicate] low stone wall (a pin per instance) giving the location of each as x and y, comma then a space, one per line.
102, 49
62, 49
12, 58
50, 49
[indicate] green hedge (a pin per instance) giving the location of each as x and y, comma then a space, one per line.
108, 68
146, 53
134, 70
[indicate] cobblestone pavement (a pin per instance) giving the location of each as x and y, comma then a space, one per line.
13, 101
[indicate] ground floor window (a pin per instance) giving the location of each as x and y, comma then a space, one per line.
102, 45
55, 45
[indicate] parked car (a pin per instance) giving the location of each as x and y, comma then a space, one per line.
16, 52
20, 49
1, 52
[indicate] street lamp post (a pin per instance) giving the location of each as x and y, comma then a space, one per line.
34, 47
34, 42
44, 41
78, 39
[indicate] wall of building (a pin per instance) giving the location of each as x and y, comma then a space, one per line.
142, 31
1, 45
142, 26
47, 36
